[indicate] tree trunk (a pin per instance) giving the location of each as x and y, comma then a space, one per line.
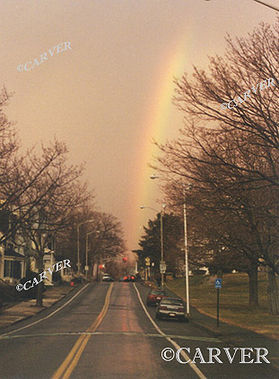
39, 301
253, 286
273, 292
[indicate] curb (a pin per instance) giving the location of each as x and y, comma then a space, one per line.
39, 311
206, 328
220, 335
224, 339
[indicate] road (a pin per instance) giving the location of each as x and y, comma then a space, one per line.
105, 332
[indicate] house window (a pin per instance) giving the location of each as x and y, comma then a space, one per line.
67, 271
12, 269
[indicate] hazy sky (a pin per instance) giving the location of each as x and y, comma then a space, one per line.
110, 95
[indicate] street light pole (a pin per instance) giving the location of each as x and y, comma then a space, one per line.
86, 253
78, 252
187, 297
162, 244
78, 255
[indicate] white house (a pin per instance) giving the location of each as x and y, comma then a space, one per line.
12, 264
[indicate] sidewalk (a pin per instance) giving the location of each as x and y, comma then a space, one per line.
28, 308
235, 335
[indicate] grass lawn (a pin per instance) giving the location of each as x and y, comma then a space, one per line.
234, 298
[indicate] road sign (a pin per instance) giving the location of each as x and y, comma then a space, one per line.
163, 267
218, 285
86, 268
147, 261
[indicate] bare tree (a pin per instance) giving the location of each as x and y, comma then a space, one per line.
108, 239
231, 155
105, 236
51, 200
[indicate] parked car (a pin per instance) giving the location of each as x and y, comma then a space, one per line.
155, 296
75, 281
107, 278
171, 308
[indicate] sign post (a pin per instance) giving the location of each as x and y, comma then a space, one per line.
163, 267
218, 285
147, 264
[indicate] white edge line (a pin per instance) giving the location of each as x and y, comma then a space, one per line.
48, 316
191, 364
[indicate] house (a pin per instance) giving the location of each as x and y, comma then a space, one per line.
66, 274
12, 264
12, 259
49, 260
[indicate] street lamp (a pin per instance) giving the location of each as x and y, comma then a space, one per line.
162, 237
187, 292
78, 254
187, 296
86, 253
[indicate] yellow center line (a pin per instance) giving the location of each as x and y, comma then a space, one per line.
66, 368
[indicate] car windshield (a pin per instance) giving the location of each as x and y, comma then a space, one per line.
172, 302
157, 292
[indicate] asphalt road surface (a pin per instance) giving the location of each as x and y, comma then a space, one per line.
106, 332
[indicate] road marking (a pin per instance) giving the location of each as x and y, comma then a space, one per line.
66, 368
134, 334
191, 364
48, 316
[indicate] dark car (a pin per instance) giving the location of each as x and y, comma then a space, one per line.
129, 278
155, 296
171, 308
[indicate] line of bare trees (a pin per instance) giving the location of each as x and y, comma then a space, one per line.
104, 233
231, 159
43, 197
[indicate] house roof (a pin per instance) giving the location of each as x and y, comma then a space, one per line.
10, 252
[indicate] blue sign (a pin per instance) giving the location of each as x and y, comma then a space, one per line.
218, 283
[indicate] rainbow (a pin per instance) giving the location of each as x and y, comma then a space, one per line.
155, 126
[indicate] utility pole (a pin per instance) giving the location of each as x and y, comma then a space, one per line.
78, 252
162, 243
187, 297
